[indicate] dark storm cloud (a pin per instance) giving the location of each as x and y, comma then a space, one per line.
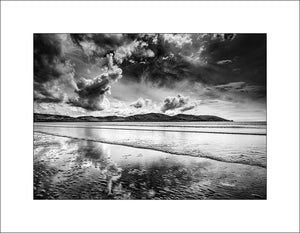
247, 53
167, 67
211, 59
174, 102
95, 45
123, 46
52, 72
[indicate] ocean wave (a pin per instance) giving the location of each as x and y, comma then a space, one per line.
151, 147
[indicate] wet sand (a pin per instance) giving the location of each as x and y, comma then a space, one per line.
66, 168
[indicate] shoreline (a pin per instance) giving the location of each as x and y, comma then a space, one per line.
153, 149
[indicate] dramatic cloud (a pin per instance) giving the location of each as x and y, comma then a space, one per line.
80, 71
57, 79
136, 48
53, 73
126, 51
94, 45
201, 58
174, 102
140, 103
91, 93
179, 40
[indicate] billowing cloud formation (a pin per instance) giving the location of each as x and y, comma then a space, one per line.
178, 40
174, 102
91, 92
53, 73
136, 48
140, 103
57, 79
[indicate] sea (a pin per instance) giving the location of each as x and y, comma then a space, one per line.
230, 142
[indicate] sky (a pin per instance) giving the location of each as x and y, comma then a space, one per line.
126, 74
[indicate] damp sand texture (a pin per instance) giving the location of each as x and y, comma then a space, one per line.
72, 168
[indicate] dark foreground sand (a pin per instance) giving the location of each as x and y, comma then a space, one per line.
66, 168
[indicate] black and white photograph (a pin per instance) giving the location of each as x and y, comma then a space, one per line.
155, 116
149, 116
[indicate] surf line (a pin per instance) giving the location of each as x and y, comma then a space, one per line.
158, 130
155, 149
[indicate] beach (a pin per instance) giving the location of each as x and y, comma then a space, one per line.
73, 167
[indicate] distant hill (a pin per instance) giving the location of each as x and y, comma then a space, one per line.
150, 117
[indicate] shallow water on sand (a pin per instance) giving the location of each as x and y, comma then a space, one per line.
68, 168
223, 141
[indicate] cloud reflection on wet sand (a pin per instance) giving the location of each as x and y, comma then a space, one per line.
66, 168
